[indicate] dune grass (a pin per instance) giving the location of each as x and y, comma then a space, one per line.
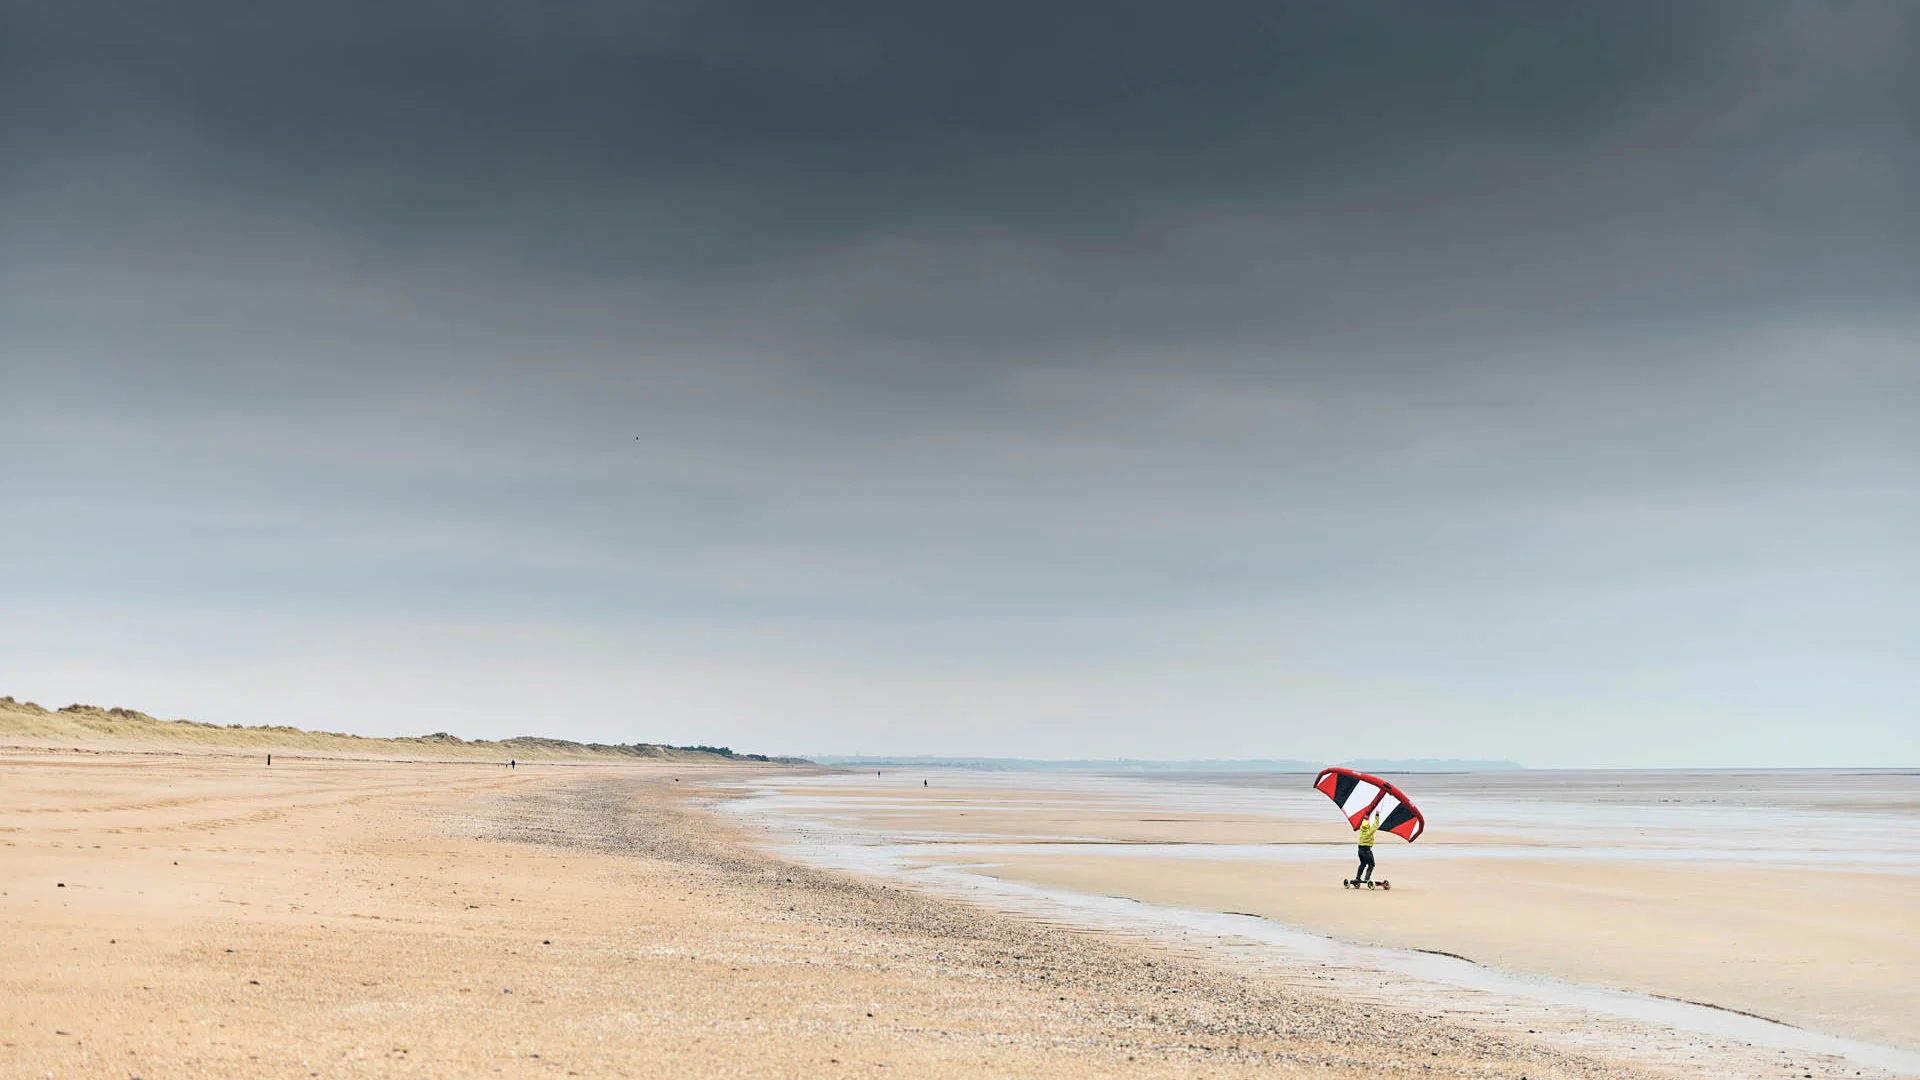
90, 727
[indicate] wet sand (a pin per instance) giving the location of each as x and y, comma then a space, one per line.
1739, 892
1834, 952
189, 916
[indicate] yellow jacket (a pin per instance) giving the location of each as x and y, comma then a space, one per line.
1367, 829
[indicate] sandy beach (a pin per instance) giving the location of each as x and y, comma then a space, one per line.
188, 915
1835, 953
1744, 893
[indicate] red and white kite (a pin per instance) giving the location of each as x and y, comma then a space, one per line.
1358, 794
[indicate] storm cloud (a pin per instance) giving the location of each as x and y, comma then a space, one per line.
1088, 379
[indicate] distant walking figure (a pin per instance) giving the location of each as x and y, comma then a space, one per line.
1367, 829
512, 764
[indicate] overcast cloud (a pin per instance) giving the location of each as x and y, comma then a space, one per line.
1210, 380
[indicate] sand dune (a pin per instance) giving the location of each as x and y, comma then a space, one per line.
26, 724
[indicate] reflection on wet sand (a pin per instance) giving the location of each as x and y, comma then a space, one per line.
1748, 891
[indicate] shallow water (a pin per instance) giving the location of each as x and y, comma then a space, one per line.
1862, 822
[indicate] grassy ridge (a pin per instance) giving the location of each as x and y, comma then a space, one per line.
23, 723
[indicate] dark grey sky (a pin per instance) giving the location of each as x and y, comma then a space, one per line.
1212, 379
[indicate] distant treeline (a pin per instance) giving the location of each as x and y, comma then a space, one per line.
727, 752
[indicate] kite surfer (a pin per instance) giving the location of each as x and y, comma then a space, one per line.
1367, 829
1370, 805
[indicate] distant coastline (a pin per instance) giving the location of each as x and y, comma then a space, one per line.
1214, 765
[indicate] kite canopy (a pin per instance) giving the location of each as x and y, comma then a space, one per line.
1358, 794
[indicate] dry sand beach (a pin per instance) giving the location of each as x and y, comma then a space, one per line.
192, 914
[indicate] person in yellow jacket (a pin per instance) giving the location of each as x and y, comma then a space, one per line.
1367, 829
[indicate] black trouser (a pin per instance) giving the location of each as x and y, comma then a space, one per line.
1365, 873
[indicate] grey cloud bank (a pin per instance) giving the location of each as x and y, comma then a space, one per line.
1085, 381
